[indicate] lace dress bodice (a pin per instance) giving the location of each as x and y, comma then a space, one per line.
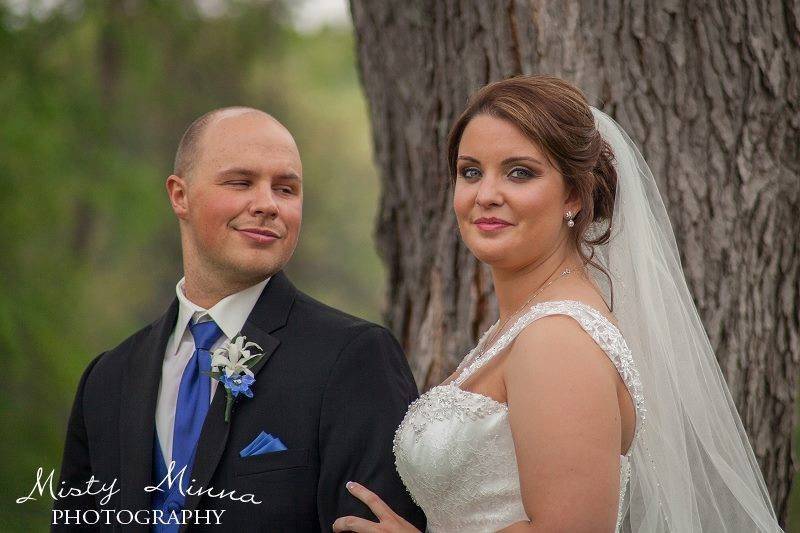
454, 450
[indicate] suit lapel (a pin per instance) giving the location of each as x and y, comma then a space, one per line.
140, 383
269, 314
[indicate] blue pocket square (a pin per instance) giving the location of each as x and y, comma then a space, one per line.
263, 443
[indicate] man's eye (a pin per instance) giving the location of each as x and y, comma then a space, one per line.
285, 190
470, 173
239, 183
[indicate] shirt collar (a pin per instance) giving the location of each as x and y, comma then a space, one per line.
230, 313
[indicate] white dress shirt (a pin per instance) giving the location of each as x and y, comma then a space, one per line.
230, 314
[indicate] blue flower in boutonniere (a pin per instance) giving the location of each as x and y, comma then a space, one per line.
237, 384
230, 365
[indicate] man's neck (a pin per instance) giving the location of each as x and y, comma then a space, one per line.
206, 292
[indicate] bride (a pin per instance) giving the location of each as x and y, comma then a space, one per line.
595, 403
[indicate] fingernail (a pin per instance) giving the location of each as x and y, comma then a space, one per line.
349, 485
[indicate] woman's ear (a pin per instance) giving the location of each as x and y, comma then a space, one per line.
176, 190
573, 202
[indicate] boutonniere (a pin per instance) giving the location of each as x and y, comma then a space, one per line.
230, 365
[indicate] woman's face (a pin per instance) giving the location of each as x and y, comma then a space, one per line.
509, 200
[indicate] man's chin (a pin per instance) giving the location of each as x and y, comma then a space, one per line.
256, 275
245, 268
256, 272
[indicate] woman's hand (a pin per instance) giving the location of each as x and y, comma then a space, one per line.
389, 521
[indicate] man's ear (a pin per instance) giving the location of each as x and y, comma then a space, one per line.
176, 190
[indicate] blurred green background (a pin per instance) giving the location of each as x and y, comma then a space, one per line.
94, 97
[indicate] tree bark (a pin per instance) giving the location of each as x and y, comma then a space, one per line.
711, 93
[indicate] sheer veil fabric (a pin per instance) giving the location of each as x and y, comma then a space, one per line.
693, 468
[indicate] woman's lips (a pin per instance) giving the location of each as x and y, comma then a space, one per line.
490, 225
259, 236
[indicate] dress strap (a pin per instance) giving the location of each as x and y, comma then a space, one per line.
474, 352
602, 331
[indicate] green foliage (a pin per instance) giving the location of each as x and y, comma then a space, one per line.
96, 96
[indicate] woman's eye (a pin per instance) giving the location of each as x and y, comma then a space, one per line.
521, 173
470, 173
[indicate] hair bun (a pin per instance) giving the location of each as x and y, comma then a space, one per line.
605, 191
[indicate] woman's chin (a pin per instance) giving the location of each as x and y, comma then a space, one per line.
495, 258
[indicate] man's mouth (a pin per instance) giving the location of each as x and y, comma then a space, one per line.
260, 235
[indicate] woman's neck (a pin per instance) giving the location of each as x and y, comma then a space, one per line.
513, 288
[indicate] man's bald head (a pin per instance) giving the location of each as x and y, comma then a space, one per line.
189, 149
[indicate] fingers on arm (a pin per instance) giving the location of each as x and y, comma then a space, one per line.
389, 520
354, 523
372, 500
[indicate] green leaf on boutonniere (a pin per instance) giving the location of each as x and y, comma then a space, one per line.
253, 360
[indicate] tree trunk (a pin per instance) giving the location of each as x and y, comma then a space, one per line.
711, 94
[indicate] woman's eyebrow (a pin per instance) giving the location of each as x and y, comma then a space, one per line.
506, 160
522, 158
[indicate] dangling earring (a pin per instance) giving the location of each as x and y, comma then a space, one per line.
569, 217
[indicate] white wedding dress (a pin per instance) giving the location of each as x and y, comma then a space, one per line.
454, 450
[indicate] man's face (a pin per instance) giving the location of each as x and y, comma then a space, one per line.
243, 200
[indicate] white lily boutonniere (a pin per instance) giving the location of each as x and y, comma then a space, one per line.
230, 365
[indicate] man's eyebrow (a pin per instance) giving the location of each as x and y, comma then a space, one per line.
290, 175
251, 173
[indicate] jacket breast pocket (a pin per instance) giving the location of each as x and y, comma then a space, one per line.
268, 462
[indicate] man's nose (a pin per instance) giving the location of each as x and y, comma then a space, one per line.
263, 203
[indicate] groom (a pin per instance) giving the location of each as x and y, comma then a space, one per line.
330, 389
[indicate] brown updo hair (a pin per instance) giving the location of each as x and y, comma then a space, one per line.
556, 116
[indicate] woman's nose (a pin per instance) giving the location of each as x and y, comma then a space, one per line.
489, 193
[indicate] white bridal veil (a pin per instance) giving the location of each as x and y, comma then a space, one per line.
693, 467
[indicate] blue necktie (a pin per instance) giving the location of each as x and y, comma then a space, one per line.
193, 398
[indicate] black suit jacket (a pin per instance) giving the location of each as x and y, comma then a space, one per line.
332, 387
